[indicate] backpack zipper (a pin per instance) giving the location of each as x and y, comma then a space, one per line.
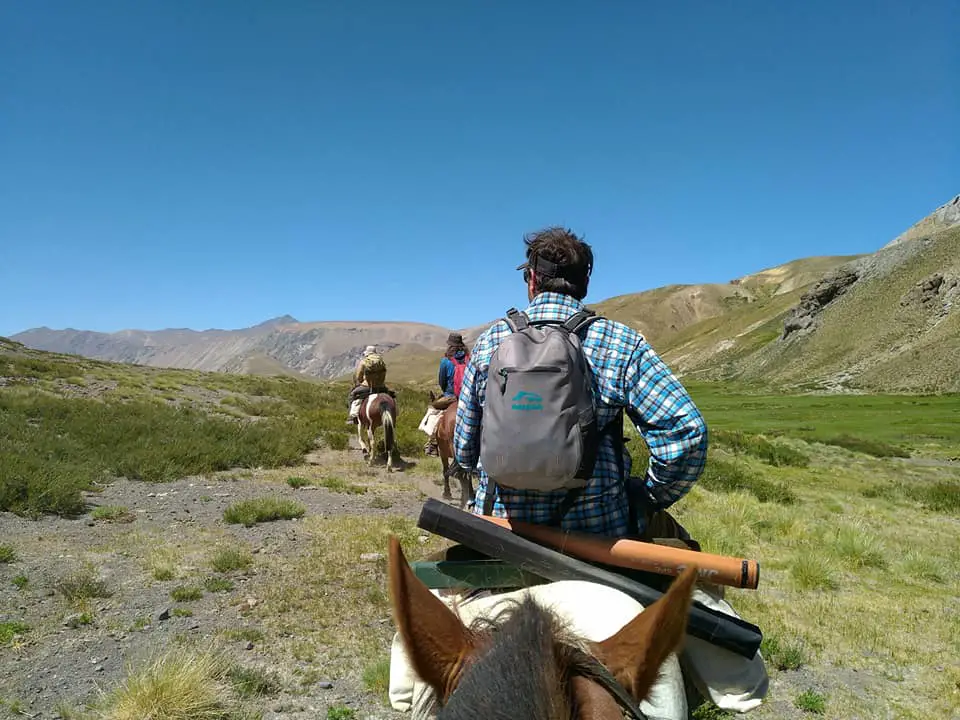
503, 373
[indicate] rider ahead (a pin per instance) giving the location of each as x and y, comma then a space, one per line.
627, 376
453, 365
369, 376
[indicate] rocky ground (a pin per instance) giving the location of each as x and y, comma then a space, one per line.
77, 648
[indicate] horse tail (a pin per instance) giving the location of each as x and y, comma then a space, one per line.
388, 427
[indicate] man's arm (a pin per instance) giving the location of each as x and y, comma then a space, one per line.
466, 436
670, 423
358, 374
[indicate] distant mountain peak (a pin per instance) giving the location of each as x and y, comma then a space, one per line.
280, 320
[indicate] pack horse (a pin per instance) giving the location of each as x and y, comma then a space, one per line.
445, 431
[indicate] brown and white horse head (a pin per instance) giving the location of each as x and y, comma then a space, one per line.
527, 665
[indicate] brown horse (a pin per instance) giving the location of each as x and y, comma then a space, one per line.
527, 665
445, 428
378, 409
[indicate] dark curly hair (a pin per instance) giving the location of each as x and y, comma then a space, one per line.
570, 256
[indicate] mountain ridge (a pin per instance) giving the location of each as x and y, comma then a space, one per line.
778, 324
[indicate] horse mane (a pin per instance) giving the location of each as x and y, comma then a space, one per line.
534, 641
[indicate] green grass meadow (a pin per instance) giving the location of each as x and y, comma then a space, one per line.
851, 504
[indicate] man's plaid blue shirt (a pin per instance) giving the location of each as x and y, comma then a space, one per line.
627, 374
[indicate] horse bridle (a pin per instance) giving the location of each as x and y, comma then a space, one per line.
592, 669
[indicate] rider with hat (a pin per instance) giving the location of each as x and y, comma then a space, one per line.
370, 376
453, 365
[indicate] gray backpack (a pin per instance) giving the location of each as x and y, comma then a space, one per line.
539, 427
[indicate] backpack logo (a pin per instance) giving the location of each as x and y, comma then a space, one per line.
527, 401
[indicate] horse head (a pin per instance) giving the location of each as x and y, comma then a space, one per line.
531, 667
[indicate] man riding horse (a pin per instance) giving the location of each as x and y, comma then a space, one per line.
453, 364
370, 376
624, 376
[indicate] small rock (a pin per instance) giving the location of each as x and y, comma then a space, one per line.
73, 621
249, 646
371, 557
99, 668
90, 523
163, 614
251, 602
325, 685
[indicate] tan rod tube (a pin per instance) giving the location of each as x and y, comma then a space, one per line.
661, 559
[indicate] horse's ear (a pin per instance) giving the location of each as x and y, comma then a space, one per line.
435, 639
635, 653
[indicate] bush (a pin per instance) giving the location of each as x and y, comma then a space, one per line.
941, 496
876, 448
729, 476
230, 558
53, 448
186, 593
773, 453
251, 512
113, 513
9, 629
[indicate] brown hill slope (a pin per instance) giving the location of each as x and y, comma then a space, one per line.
885, 321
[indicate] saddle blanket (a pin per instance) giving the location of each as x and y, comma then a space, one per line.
730, 681
430, 420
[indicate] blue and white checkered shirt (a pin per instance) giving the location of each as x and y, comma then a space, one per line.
628, 374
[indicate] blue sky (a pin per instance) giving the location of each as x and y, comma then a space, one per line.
217, 163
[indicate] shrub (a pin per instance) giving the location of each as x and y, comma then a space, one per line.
266, 509
729, 476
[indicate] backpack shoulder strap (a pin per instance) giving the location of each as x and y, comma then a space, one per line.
517, 320
579, 321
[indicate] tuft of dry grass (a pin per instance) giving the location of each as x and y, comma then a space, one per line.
163, 562
83, 584
179, 685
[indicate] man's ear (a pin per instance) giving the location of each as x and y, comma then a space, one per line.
635, 653
435, 639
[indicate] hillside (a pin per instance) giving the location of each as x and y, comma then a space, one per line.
279, 346
665, 313
886, 321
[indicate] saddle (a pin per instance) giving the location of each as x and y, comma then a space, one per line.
442, 403
362, 391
